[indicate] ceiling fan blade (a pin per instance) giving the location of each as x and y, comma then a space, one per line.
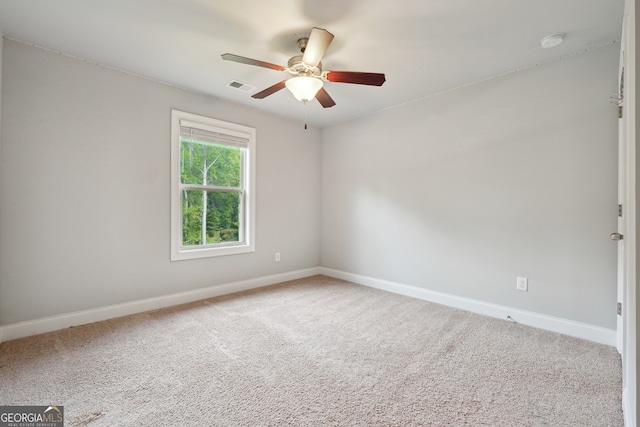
269, 91
319, 41
249, 61
324, 99
372, 79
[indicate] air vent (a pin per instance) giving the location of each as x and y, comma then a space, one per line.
240, 86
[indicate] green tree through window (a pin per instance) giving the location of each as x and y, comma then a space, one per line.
210, 215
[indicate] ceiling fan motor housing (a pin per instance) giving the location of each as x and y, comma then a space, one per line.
296, 67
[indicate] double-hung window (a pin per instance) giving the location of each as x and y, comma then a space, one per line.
212, 197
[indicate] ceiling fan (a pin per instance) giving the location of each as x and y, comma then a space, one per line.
307, 77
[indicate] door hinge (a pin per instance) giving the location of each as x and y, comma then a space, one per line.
620, 211
619, 111
619, 309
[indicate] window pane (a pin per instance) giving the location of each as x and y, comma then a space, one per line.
210, 217
204, 163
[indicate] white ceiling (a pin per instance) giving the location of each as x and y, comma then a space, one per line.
423, 46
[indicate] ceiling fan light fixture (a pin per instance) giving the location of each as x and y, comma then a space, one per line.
304, 88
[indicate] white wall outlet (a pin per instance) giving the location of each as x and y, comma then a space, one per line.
277, 256
522, 283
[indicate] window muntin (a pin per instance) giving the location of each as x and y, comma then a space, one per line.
212, 180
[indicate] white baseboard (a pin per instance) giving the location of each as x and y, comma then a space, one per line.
550, 323
54, 323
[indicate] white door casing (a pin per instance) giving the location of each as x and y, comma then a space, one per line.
622, 193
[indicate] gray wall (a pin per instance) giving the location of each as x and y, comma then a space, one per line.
463, 191
85, 200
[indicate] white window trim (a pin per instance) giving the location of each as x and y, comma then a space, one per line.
178, 252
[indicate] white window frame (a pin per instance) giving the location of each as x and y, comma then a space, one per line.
247, 221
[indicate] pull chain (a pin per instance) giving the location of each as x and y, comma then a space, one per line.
305, 114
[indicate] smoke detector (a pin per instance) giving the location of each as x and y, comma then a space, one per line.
552, 40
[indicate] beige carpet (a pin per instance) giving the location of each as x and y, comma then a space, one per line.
314, 352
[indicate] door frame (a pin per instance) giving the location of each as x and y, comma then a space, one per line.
628, 327
622, 203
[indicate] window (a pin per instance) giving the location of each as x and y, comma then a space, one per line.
212, 187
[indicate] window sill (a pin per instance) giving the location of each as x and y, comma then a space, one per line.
196, 253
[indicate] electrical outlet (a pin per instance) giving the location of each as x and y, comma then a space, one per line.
277, 256
522, 283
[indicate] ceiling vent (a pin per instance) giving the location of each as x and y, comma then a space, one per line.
240, 86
